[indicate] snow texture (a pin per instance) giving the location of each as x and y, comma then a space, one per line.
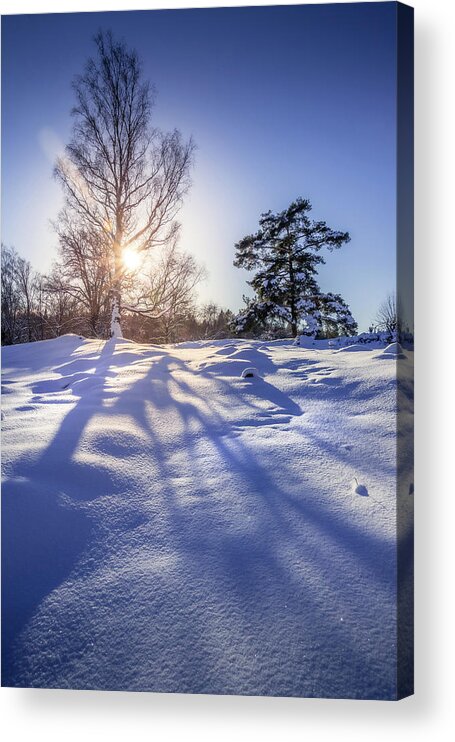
394, 350
169, 527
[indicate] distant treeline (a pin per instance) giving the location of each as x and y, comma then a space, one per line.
38, 307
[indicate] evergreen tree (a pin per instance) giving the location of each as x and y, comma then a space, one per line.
285, 253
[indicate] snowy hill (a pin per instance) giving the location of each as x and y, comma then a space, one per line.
169, 525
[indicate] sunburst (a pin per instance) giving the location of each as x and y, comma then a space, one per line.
131, 259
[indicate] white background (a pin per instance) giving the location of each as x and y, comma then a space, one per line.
69, 715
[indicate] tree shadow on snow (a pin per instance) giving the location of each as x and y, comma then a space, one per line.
41, 539
249, 561
259, 548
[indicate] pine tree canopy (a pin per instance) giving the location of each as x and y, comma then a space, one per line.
285, 255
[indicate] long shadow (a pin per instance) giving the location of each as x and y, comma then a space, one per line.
281, 520
243, 459
371, 549
56, 458
25, 357
41, 540
243, 562
272, 394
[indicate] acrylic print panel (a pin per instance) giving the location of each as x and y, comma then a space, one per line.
207, 359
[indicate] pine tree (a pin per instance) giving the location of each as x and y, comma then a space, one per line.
285, 255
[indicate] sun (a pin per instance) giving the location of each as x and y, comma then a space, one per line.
130, 258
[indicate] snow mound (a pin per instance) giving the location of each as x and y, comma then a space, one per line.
41, 354
250, 373
234, 363
226, 350
222, 368
394, 350
350, 348
303, 341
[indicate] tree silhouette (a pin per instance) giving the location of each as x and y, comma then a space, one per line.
121, 177
285, 253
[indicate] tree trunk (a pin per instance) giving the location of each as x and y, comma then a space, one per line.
29, 324
292, 298
116, 330
93, 320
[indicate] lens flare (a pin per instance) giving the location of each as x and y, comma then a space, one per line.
130, 259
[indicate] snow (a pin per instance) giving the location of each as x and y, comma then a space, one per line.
116, 330
360, 489
170, 526
305, 341
250, 373
351, 348
393, 350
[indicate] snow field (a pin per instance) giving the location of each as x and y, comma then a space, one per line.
171, 526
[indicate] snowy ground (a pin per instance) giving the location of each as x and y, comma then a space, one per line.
170, 526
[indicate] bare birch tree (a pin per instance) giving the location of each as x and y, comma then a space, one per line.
11, 300
167, 292
388, 317
122, 177
27, 282
85, 270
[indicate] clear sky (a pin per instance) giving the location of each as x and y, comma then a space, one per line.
281, 101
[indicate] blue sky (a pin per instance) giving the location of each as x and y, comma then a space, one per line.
281, 101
